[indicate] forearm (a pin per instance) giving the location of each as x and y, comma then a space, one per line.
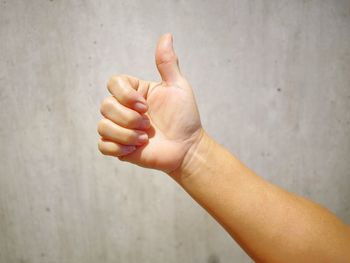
268, 222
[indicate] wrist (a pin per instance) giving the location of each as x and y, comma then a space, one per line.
194, 158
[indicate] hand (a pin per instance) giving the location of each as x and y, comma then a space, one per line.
151, 124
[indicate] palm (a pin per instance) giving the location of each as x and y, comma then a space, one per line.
174, 124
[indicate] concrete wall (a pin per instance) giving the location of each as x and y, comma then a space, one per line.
272, 83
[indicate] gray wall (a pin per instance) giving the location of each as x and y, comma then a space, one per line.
272, 82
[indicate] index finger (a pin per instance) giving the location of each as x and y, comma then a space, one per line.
124, 89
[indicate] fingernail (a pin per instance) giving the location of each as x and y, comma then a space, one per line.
128, 149
139, 106
142, 138
145, 123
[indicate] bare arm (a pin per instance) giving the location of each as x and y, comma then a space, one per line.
157, 125
269, 223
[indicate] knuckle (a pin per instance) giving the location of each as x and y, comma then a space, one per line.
119, 79
102, 127
107, 105
113, 81
167, 59
101, 147
110, 83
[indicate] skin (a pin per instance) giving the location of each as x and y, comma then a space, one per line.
157, 125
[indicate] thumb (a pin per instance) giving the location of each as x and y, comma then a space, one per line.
166, 59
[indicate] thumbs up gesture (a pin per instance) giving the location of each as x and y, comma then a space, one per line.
151, 124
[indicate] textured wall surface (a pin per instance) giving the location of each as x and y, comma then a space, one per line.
272, 83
